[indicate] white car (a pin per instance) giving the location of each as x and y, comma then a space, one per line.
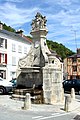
5, 86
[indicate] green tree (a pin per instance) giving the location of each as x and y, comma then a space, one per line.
8, 28
60, 49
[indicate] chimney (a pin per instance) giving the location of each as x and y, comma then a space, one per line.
78, 51
20, 32
1, 26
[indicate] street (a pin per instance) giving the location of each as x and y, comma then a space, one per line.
55, 116
9, 112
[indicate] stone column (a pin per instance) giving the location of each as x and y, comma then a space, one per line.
73, 93
52, 85
67, 105
27, 102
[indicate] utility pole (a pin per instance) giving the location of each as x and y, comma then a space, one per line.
75, 37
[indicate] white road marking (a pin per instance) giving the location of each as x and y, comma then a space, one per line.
37, 117
53, 116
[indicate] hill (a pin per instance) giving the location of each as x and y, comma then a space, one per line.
60, 49
8, 28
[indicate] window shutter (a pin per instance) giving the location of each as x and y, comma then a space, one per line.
0, 57
6, 58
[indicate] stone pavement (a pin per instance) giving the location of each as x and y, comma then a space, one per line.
8, 103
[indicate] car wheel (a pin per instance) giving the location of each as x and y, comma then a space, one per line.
2, 90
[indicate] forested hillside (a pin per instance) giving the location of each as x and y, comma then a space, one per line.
60, 49
8, 28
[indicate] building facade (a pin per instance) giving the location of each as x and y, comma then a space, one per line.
72, 66
13, 46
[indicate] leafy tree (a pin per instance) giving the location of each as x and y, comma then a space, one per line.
8, 28
29, 37
60, 49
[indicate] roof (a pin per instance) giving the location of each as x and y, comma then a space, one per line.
30, 40
75, 55
13, 34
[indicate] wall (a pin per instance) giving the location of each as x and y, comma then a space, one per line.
17, 41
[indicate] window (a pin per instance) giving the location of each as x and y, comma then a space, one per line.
74, 59
13, 47
79, 60
74, 68
13, 74
25, 50
3, 43
68, 82
69, 60
2, 57
14, 61
6, 43
20, 49
78, 81
74, 77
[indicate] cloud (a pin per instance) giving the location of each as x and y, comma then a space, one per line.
64, 2
62, 34
13, 15
60, 14
60, 2
18, 1
65, 18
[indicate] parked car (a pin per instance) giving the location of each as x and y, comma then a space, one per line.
72, 83
5, 86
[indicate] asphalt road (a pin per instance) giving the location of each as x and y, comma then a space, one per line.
7, 112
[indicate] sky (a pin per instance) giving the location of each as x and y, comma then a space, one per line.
63, 18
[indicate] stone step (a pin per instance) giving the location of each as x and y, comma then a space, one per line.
22, 91
36, 95
15, 96
34, 99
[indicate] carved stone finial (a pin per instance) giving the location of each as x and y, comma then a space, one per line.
39, 22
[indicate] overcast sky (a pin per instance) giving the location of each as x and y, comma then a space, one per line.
63, 18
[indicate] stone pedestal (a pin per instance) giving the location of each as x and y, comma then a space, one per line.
52, 85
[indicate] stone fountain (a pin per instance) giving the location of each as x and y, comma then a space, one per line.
41, 67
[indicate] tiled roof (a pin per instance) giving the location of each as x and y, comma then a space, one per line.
23, 37
75, 55
30, 40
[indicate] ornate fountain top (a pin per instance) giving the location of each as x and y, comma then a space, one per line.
39, 22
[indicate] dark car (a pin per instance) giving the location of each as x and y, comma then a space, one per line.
72, 83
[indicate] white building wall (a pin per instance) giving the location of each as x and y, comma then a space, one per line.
10, 69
